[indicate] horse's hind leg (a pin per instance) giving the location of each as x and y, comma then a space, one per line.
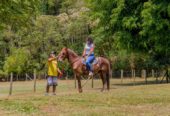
103, 81
108, 81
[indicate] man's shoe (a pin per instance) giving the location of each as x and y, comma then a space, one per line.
54, 94
46, 94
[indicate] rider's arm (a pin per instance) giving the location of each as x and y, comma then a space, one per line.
91, 50
83, 52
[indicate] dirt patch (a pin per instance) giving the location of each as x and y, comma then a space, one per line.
5, 113
146, 109
49, 110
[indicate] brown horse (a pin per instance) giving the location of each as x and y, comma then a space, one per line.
102, 66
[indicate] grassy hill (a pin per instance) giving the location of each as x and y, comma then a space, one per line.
121, 100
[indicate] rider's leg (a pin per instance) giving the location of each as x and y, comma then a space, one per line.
88, 63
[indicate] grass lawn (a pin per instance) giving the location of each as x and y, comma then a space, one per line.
122, 100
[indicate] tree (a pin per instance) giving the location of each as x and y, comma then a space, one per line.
17, 62
139, 26
51, 7
18, 13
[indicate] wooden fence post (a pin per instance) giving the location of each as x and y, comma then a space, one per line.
134, 76
156, 76
11, 84
92, 82
35, 80
17, 77
144, 73
121, 76
26, 77
7, 77
153, 73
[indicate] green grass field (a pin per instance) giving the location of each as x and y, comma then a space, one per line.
122, 100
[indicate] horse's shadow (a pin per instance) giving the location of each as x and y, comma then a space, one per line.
150, 82
100, 88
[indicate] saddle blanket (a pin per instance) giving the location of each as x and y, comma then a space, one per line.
95, 61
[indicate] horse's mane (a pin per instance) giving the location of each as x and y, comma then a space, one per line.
72, 52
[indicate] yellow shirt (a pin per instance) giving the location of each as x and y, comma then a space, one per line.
52, 68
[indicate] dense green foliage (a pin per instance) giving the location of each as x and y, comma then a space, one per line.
132, 33
136, 25
27, 47
17, 13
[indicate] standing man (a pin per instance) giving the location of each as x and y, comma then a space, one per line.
53, 71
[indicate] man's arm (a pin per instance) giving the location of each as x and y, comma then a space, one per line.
51, 59
59, 71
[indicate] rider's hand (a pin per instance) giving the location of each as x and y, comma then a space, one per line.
85, 58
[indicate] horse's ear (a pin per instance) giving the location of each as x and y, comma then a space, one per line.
65, 48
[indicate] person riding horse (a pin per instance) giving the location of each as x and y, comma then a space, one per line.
88, 55
102, 67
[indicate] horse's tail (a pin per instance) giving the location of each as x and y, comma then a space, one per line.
109, 73
110, 63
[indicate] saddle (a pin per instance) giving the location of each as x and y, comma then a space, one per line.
95, 62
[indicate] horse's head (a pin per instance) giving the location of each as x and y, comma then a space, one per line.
63, 54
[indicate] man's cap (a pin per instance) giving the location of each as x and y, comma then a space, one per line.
53, 52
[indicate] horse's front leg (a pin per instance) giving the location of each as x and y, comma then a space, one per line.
79, 83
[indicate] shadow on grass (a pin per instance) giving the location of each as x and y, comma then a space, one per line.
149, 82
105, 88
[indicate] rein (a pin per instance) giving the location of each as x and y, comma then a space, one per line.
89, 77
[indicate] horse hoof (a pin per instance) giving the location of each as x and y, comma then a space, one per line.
102, 90
80, 91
